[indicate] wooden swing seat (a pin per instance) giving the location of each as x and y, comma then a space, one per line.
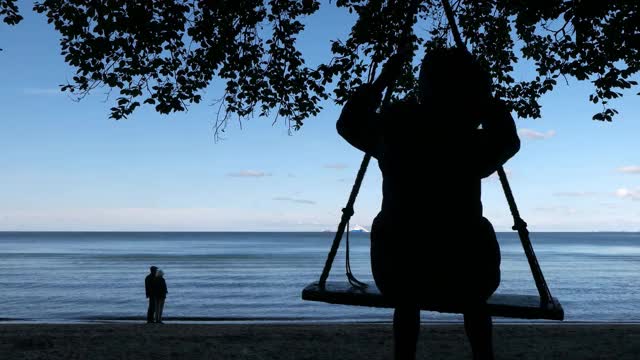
505, 305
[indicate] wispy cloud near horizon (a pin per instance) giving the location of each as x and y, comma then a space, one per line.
294, 200
631, 169
161, 219
336, 166
42, 91
575, 193
625, 193
536, 135
249, 174
559, 209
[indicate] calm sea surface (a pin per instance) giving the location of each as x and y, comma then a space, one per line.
60, 276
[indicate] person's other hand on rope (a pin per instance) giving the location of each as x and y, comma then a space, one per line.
359, 119
371, 94
391, 69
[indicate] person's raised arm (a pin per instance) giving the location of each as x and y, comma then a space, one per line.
359, 122
498, 140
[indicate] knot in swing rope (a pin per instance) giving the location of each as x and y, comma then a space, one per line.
519, 224
348, 212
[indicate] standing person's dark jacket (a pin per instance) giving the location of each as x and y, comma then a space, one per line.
159, 287
148, 288
148, 285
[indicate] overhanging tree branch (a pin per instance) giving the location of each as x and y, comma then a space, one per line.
166, 53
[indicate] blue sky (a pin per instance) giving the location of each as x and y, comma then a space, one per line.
66, 166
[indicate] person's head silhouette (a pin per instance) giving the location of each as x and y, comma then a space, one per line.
153, 270
453, 81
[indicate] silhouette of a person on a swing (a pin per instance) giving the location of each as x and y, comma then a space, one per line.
430, 241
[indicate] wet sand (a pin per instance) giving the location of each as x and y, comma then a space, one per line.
316, 341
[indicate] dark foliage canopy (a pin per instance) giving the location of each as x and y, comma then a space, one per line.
9, 12
165, 53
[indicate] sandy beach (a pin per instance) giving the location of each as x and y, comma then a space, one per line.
319, 342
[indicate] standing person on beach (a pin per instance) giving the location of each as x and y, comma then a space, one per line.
159, 287
148, 287
453, 258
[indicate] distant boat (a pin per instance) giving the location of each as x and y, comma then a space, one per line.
358, 229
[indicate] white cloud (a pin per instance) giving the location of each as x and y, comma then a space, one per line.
298, 201
249, 173
631, 169
625, 193
536, 135
336, 166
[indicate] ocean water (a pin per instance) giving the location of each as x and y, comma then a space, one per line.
61, 276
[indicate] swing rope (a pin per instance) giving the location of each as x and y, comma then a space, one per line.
347, 264
347, 212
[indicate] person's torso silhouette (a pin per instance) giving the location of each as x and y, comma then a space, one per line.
430, 239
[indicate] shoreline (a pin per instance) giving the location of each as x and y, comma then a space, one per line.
297, 322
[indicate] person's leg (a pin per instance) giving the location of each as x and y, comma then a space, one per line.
159, 309
479, 327
151, 310
406, 327
157, 312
